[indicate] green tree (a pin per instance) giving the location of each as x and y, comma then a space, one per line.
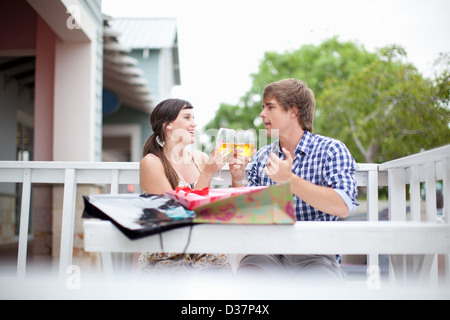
442, 82
385, 110
376, 103
313, 64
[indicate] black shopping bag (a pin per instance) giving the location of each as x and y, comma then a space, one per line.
138, 215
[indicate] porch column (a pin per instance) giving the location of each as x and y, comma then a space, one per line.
77, 77
43, 134
77, 108
74, 113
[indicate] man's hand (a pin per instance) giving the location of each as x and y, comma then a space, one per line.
279, 170
237, 163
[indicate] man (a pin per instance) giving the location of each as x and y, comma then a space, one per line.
320, 170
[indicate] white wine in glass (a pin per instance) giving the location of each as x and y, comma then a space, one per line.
225, 139
245, 140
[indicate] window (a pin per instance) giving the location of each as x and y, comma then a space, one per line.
25, 137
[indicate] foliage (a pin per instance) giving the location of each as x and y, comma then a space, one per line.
384, 111
376, 103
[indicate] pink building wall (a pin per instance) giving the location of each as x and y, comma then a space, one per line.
44, 91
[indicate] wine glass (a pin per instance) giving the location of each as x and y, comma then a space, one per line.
245, 140
225, 139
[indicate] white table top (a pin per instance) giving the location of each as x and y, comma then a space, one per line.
348, 237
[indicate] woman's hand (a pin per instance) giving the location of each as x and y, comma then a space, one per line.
216, 160
212, 164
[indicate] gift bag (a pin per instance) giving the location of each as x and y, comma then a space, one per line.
137, 215
266, 205
192, 199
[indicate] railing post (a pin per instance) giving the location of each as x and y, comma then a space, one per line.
68, 221
397, 212
430, 191
372, 208
107, 257
114, 181
372, 195
24, 223
414, 190
446, 210
397, 194
446, 189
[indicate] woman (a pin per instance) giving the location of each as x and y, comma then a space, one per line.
167, 164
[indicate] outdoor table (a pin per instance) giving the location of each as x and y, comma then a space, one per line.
420, 239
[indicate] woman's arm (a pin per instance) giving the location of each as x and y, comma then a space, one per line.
209, 166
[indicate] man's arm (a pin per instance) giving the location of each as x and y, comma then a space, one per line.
236, 164
322, 198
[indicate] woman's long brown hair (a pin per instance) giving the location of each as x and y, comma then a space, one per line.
163, 114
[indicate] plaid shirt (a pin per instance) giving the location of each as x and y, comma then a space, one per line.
320, 160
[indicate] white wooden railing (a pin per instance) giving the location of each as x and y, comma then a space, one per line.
70, 174
428, 167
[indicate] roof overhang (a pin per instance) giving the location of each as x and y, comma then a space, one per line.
121, 74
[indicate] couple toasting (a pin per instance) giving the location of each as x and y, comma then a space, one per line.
320, 170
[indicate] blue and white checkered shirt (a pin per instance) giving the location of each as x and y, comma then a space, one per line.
320, 160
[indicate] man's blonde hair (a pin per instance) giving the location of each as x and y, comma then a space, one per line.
294, 93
